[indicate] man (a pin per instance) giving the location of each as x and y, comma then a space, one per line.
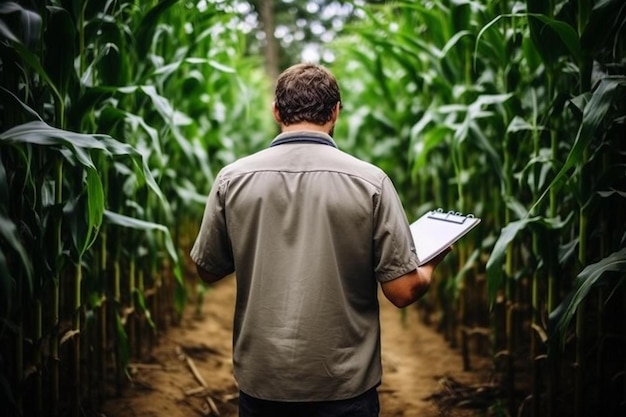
310, 233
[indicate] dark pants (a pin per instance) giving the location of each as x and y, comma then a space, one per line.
365, 405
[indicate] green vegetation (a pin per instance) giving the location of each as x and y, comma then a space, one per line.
94, 224
514, 112
115, 116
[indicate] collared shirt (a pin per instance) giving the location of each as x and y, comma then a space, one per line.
310, 232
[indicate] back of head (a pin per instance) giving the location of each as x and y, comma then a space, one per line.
306, 93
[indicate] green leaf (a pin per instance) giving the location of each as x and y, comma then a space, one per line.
7, 292
85, 213
496, 258
605, 26
59, 47
123, 344
9, 234
42, 134
138, 224
95, 192
80, 145
145, 32
220, 67
593, 114
565, 33
165, 108
592, 276
4, 189
172, 117
518, 124
544, 36
32, 113
141, 303
29, 24
428, 140
6, 32
33, 62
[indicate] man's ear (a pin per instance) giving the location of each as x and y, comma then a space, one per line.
336, 111
276, 113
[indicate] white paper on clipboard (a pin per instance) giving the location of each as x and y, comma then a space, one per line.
437, 230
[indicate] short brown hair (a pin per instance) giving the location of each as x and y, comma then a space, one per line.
306, 93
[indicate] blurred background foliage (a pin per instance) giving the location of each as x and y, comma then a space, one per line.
115, 116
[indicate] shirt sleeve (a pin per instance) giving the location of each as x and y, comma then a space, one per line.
212, 250
394, 250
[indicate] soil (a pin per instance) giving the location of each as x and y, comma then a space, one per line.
189, 371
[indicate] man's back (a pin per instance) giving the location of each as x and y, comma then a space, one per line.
310, 232
302, 219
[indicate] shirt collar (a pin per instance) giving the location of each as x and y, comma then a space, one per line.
306, 136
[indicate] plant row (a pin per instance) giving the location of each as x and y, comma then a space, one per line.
113, 118
515, 112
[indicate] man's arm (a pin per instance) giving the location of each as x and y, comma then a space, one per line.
409, 288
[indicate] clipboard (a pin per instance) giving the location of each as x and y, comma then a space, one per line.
437, 230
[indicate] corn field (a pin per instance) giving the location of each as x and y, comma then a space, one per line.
115, 115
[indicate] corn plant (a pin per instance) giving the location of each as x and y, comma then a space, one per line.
423, 76
509, 110
95, 224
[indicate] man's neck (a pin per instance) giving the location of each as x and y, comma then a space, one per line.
306, 126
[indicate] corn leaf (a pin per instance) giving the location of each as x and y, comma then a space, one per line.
30, 23
6, 290
59, 59
141, 303
145, 31
80, 145
138, 224
496, 258
42, 134
9, 234
594, 113
589, 278
84, 213
123, 344
565, 33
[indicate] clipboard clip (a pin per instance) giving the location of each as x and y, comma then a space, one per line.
451, 216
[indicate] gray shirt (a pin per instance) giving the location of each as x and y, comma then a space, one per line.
310, 231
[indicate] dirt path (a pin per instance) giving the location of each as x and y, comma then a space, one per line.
189, 373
